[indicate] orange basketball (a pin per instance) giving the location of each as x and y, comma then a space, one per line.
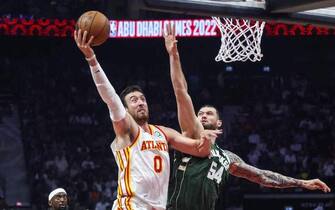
96, 24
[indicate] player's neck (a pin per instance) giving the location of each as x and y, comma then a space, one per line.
145, 127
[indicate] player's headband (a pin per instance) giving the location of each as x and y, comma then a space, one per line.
56, 191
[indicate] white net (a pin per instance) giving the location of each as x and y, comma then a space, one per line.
240, 39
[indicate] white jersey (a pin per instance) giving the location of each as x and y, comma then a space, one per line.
144, 170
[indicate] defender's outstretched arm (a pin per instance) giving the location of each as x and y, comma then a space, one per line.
270, 179
187, 118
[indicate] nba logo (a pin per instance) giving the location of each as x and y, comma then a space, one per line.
113, 28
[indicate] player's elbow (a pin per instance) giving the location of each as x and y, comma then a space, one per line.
181, 94
180, 91
203, 154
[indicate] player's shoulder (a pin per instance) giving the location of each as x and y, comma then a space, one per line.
217, 148
222, 150
157, 127
161, 127
224, 153
233, 158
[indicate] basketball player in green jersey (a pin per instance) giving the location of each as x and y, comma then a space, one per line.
196, 182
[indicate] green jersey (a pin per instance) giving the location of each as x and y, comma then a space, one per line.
196, 183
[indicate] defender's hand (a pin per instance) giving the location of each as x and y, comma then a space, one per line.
316, 184
170, 39
210, 134
207, 137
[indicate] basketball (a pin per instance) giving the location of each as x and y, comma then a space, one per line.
96, 24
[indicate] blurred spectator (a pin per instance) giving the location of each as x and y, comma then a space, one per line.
3, 204
102, 204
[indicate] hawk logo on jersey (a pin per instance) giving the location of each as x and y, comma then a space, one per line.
154, 145
158, 134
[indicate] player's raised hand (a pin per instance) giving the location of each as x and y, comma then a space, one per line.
83, 44
316, 184
170, 39
210, 134
207, 138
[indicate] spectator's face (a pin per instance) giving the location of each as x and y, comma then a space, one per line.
59, 201
209, 118
137, 106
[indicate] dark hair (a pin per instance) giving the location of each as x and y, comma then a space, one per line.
211, 106
127, 90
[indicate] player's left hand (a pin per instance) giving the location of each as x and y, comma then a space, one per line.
316, 184
208, 137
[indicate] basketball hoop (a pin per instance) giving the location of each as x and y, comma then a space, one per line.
240, 39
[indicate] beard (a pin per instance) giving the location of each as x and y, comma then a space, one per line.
208, 126
141, 118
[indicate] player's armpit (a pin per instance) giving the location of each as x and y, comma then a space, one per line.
126, 129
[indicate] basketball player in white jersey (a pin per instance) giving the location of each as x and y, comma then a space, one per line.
141, 150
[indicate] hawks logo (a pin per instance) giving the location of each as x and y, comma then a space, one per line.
158, 134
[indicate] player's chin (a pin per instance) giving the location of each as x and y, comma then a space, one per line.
62, 207
143, 117
146, 117
208, 126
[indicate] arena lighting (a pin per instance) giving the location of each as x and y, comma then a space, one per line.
266, 68
229, 69
146, 28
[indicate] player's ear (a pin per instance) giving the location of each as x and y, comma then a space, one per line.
49, 203
219, 123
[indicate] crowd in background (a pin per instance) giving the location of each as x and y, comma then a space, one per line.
282, 122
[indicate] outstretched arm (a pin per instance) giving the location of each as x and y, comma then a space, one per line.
189, 124
122, 122
268, 178
196, 147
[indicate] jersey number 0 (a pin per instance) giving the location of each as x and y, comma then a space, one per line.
158, 164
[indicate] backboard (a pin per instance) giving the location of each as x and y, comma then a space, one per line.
317, 12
